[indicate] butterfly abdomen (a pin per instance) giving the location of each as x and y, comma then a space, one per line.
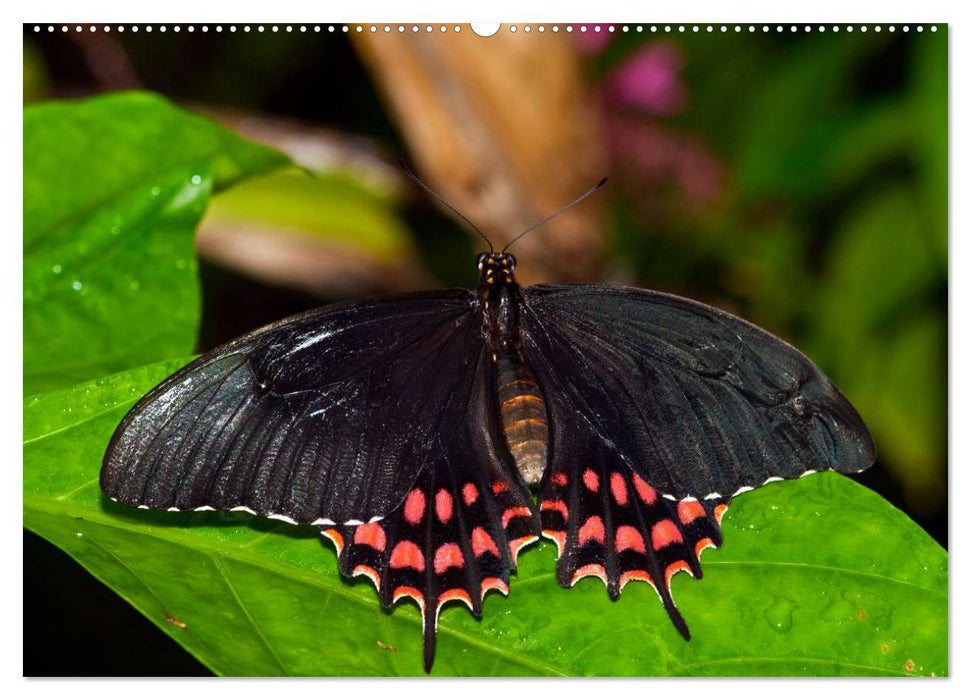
523, 412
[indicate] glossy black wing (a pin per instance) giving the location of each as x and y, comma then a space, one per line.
696, 401
326, 417
458, 531
661, 409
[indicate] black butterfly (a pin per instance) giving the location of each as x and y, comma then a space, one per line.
409, 427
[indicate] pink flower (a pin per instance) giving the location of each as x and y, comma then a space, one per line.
649, 80
594, 39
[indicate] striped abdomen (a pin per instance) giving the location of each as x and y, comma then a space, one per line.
523, 415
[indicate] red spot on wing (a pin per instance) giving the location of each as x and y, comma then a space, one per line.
443, 505
635, 575
665, 532
628, 537
518, 544
689, 511
409, 592
593, 529
470, 494
719, 512
514, 512
556, 505
447, 556
371, 534
415, 506
362, 570
559, 479
455, 594
673, 569
494, 584
589, 570
482, 543
559, 537
644, 490
702, 545
591, 480
500, 487
406, 555
618, 487
335, 537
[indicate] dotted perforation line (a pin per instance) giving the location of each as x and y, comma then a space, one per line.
513, 28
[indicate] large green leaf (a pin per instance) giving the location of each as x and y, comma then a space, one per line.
113, 189
335, 206
817, 577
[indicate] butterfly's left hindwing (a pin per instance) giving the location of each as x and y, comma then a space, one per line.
459, 529
328, 416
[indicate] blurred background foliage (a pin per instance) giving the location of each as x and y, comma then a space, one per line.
796, 178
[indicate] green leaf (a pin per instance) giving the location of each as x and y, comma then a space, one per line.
335, 206
113, 189
816, 577
895, 321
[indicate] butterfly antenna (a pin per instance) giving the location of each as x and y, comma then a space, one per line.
436, 195
555, 214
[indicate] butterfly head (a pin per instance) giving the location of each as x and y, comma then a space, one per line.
496, 269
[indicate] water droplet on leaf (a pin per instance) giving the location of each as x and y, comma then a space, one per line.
779, 614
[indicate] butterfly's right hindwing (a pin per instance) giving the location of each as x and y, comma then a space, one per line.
327, 416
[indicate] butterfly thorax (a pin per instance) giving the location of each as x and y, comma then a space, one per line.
500, 296
520, 400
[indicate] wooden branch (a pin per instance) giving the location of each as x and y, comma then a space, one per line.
504, 129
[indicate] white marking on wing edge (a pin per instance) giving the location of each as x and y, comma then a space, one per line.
525, 543
244, 509
173, 509
376, 519
323, 521
689, 498
807, 473
203, 508
771, 479
352, 521
743, 489
143, 507
549, 535
713, 494
284, 518
669, 497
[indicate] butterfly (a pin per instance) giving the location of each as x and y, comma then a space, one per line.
411, 429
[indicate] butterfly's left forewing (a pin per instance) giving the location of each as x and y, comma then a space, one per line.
325, 417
